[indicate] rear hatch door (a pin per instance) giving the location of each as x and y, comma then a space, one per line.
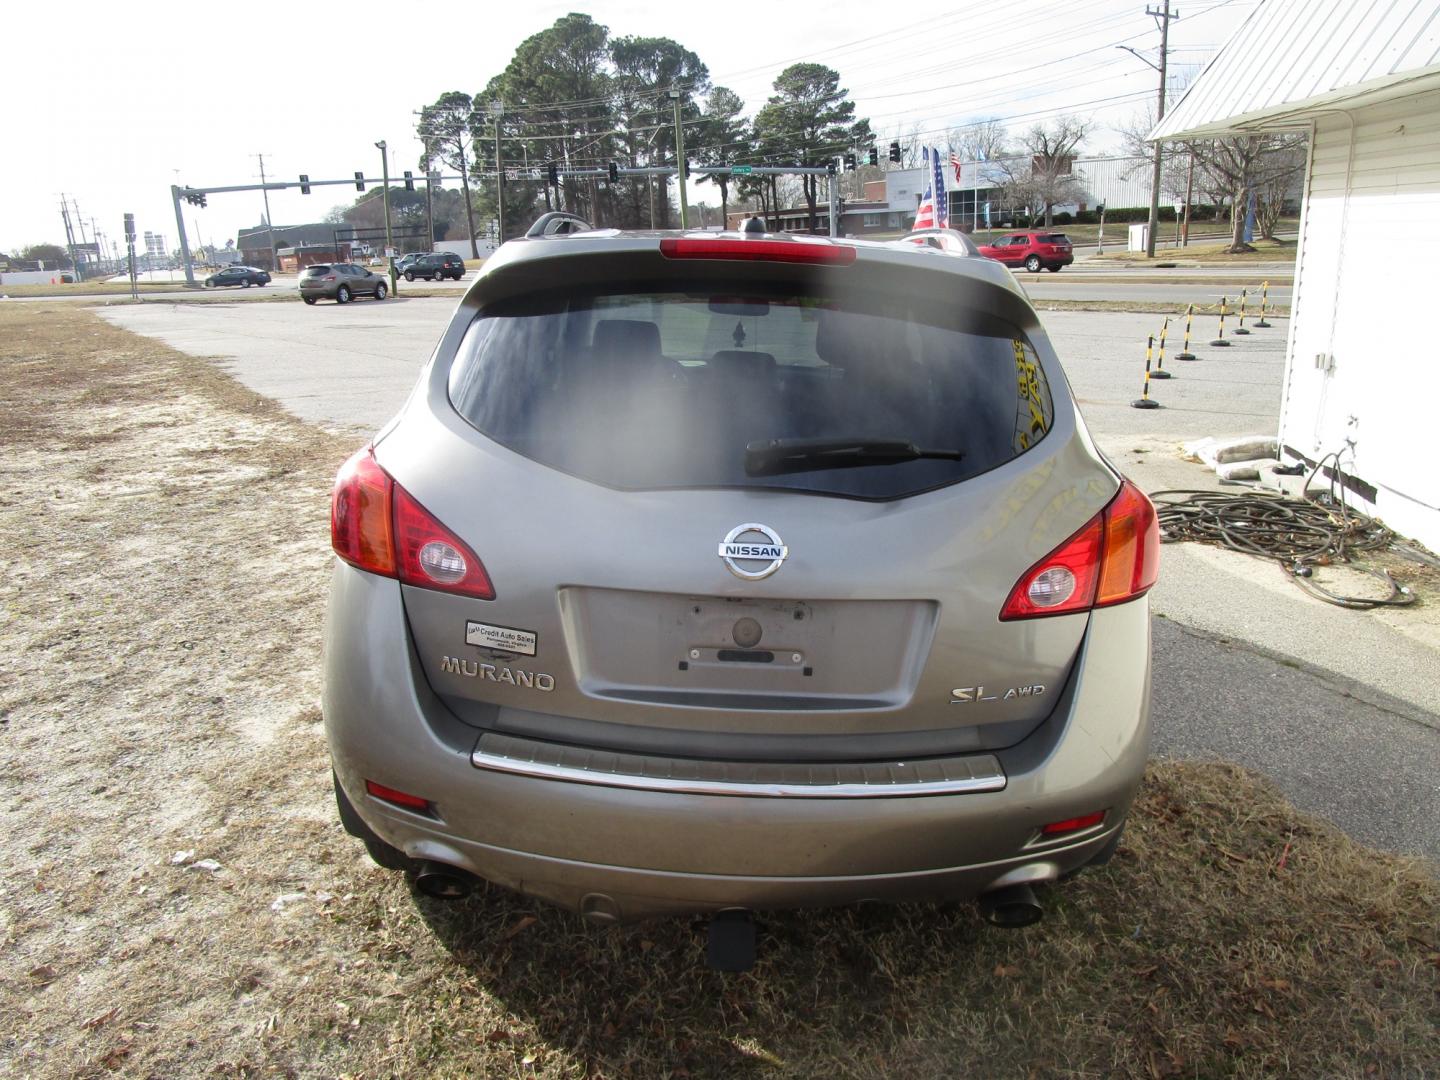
662, 585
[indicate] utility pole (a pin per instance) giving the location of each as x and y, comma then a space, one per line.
497, 110
430, 176
1163, 17
69, 236
385, 199
269, 224
680, 169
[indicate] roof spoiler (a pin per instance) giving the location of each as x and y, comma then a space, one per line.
557, 223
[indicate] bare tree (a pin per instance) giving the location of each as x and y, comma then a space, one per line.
1281, 166
1175, 179
987, 140
1044, 175
1250, 162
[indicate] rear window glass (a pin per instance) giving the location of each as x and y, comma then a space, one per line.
316, 271
668, 388
1054, 238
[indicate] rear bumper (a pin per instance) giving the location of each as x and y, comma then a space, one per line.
621, 853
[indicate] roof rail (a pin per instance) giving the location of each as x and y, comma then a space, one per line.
557, 223
951, 240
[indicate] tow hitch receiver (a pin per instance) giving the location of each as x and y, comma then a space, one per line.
731, 946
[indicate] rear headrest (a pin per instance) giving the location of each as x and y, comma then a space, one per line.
743, 363
844, 337
635, 337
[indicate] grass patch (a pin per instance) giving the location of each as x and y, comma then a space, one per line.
91, 288
166, 569
1207, 254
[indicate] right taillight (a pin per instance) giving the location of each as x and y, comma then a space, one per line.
1115, 557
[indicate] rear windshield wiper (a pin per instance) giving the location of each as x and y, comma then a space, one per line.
772, 457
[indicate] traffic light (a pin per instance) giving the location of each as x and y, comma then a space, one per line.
874, 156
359, 181
304, 183
850, 162
614, 172
830, 166
409, 180
194, 198
552, 173
202, 200
895, 152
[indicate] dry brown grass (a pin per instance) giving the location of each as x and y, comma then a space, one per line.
165, 568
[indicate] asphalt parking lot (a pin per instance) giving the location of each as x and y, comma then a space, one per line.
1339, 707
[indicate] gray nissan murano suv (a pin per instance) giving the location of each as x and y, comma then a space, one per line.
716, 572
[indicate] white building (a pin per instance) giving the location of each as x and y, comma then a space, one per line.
1116, 181
1363, 79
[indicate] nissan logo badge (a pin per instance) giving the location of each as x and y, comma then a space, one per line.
753, 551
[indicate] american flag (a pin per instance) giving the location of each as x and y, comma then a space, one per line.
933, 211
955, 164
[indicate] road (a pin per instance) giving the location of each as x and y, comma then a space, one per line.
1339, 708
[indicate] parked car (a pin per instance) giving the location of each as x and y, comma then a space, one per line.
1033, 250
340, 282
406, 261
704, 573
437, 265
237, 275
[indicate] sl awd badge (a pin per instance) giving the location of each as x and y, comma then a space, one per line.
969, 695
758, 547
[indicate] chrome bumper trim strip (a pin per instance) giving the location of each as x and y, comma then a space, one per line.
747, 779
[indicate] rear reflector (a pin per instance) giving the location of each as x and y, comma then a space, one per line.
1115, 557
1074, 824
397, 798
791, 251
378, 526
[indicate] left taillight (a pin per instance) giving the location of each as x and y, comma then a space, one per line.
361, 531
1115, 557
378, 526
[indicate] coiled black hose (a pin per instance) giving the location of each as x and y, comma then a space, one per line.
1299, 534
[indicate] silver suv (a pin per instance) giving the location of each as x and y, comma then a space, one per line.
341, 282
722, 571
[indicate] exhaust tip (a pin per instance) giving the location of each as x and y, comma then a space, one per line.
444, 882
1012, 907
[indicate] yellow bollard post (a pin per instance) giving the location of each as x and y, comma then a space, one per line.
1160, 372
1260, 323
1185, 353
1220, 342
1240, 330
1145, 401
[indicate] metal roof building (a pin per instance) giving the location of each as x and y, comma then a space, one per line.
1292, 57
1362, 77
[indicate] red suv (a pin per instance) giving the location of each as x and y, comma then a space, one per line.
1032, 250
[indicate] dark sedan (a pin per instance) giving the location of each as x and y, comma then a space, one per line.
238, 275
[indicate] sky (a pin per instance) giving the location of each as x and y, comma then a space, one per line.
109, 103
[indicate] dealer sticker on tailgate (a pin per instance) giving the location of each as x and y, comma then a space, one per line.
500, 637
